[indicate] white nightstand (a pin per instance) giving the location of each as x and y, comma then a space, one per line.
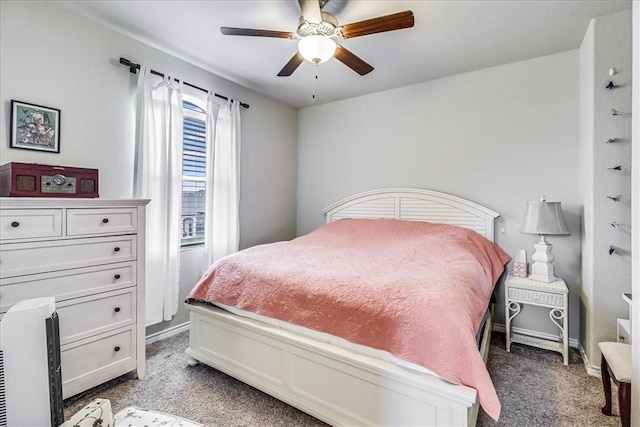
554, 295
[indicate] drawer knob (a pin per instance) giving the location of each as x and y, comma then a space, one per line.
116, 249
15, 224
117, 276
105, 220
116, 348
117, 309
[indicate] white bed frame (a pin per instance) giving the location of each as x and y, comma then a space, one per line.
335, 385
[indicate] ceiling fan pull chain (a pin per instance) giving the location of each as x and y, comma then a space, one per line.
315, 77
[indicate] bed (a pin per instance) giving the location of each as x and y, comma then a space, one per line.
337, 384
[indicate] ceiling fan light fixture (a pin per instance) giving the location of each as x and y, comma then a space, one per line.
316, 48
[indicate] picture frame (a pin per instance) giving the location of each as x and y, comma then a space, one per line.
35, 127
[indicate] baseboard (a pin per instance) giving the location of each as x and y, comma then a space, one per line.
591, 369
498, 327
166, 333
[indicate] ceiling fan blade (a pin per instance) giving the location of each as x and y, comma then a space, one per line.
395, 21
310, 11
231, 31
352, 61
292, 65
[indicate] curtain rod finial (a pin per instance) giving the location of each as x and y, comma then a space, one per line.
133, 68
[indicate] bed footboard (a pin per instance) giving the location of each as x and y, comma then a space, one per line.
332, 384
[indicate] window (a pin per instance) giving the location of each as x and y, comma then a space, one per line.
194, 162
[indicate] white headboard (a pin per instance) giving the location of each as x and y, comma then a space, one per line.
414, 204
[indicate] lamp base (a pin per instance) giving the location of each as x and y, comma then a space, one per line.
542, 266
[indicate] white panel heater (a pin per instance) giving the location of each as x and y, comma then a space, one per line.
30, 370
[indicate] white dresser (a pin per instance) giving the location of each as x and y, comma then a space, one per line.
89, 254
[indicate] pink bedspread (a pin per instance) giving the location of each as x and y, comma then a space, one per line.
417, 290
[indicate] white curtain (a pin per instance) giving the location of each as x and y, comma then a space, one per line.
223, 179
158, 176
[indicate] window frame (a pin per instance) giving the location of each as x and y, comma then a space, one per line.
194, 115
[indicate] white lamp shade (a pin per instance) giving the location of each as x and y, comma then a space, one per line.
316, 48
544, 218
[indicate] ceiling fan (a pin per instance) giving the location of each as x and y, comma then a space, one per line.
318, 32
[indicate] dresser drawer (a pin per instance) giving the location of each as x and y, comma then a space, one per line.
64, 285
29, 258
539, 298
101, 221
27, 224
95, 314
84, 360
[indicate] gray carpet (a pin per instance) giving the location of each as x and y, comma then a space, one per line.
535, 389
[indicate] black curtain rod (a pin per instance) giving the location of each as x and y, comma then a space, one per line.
133, 68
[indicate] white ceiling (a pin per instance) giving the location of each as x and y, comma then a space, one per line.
449, 37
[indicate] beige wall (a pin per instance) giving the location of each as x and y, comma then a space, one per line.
50, 56
635, 185
500, 136
607, 43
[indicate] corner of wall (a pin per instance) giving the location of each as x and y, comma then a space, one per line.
606, 191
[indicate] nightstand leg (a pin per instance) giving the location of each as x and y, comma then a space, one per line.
566, 330
510, 307
515, 308
508, 327
565, 340
558, 315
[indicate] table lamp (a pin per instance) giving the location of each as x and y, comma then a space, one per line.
543, 218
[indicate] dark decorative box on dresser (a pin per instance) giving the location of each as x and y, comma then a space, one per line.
36, 180
90, 255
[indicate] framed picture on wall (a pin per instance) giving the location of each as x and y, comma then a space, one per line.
34, 127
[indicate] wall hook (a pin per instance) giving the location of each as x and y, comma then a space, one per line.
612, 71
611, 140
612, 249
615, 168
615, 112
615, 198
611, 85
615, 224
